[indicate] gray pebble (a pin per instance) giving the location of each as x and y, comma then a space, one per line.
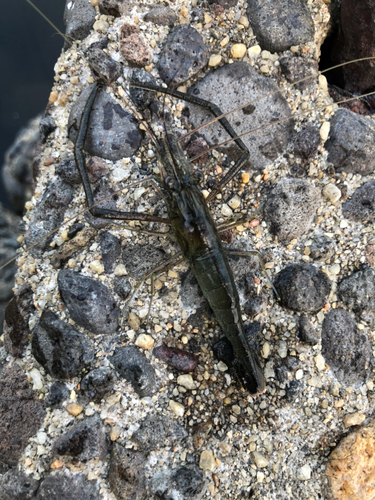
67, 486
279, 25
303, 288
59, 348
186, 482
90, 303
347, 351
122, 287
361, 206
290, 208
183, 55
306, 142
243, 85
16, 321
58, 393
98, 383
158, 431
306, 331
127, 475
322, 247
140, 259
85, 440
113, 132
17, 485
357, 291
133, 365
79, 17
103, 65
110, 248
351, 143
299, 68
163, 16
49, 215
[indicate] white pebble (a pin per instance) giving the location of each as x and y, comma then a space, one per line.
324, 131
207, 460
226, 211
238, 50
234, 202
120, 270
266, 349
354, 419
299, 374
215, 60
254, 51
331, 193
37, 379
145, 341
304, 473
335, 269
259, 459
222, 367
320, 363
101, 25
186, 381
177, 408
97, 266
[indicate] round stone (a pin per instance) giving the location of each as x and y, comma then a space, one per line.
238, 50
331, 193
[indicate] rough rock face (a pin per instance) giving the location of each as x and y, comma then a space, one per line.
351, 466
21, 414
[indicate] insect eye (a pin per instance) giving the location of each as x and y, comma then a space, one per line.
198, 176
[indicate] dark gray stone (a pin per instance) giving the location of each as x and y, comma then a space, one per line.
16, 321
116, 8
79, 17
186, 482
102, 192
183, 55
361, 206
290, 208
357, 291
307, 142
322, 247
21, 414
347, 350
68, 486
122, 287
225, 4
279, 25
306, 331
110, 248
351, 143
142, 98
303, 288
298, 68
90, 303
132, 365
103, 65
140, 259
157, 431
257, 304
127, 475
98, 383
68, 171
46, 126
113, 132
16, 485
163, 16
59, 348
85, 440
58, 393
49, 215
243, 85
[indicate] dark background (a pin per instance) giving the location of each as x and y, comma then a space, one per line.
29, 49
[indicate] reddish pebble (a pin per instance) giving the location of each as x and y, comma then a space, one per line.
181, 360
226, 236
254, 223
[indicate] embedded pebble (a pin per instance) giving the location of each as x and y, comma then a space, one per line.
97, 267
254, 51
290, 208
181, 360
351, 146
234, 202
59, 348
360, 208
186, 482
215, 60
345, 349
322, 247
357, 291
127, 475
280, 25
145, 341
158, 431
133, 46
207, 460
110, 248
303, 287
332, 193
298, 69
238, 50
320, 363
90, 303
96, 384
259, 459
324, 131
74, 409
353, 419
304, 473
134, 321
306, 331
161, 15
177, 408
186, 381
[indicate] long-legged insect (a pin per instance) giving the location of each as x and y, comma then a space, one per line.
195, 232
